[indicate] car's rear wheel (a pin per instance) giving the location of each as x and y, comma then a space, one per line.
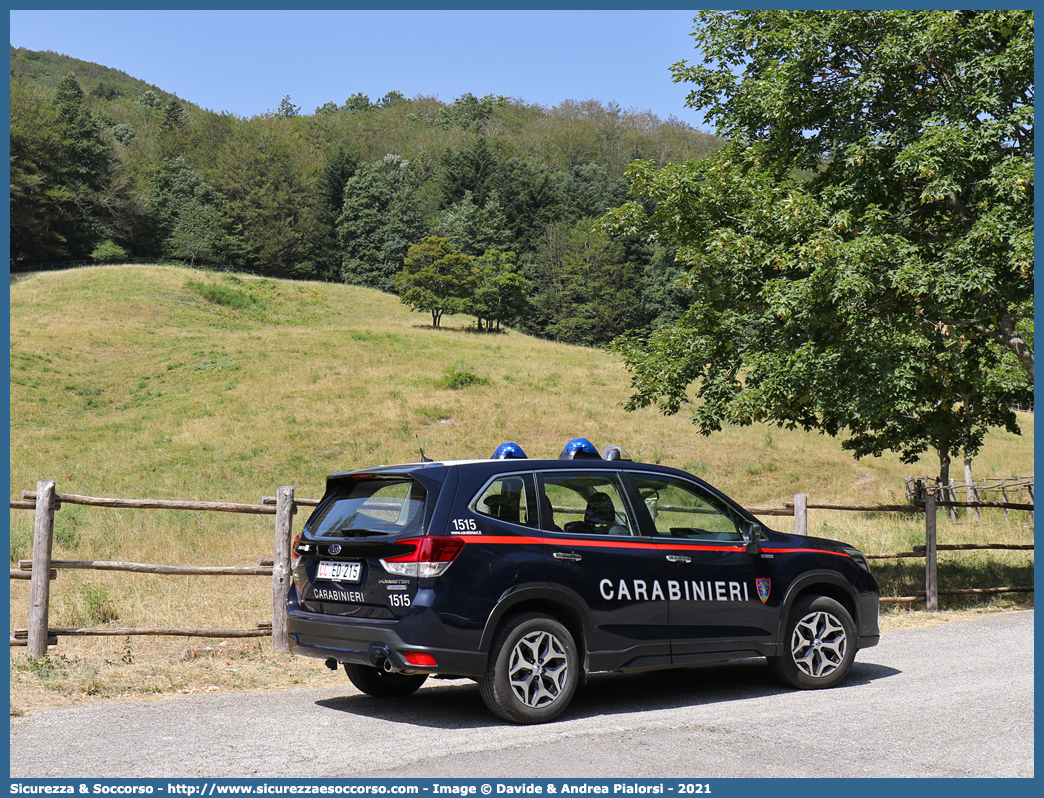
382, 684
532, 671
820, 643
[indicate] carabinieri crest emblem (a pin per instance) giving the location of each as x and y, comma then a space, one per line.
764, 587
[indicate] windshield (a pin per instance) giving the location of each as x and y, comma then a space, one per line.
369, 507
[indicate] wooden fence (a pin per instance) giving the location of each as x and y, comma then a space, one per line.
1015, 490
925, 498
41, 569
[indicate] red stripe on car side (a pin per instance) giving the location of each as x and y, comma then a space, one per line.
623, 544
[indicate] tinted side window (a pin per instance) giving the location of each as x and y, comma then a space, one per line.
508, 498
584, 503
683, 510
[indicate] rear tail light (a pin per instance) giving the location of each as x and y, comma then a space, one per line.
431, 556
294, 554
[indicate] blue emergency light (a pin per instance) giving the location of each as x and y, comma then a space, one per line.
509, 451
579, 449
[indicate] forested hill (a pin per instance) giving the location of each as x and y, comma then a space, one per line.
47, 69
107, 168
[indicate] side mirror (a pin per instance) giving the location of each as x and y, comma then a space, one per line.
751, 533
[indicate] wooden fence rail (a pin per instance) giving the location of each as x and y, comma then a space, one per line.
41, 569
151, 568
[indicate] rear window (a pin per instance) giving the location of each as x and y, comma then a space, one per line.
364, 507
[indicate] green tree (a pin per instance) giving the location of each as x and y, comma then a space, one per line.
287, 108
471, 229
174, 117
435, 278
172, 136
265, 171
36, 190
665, 291
106, 91
391, 98
175, 191
500, 291
82, 163
588, 289
357, 102
198, 235
587, 190
862, 247
149, 99
124, 133
468, 112
527, 196
378, 222
108, 252
328, 203
468, 171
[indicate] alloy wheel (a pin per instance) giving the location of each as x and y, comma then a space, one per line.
538, 669
819, 644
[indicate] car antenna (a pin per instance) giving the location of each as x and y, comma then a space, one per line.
423, 458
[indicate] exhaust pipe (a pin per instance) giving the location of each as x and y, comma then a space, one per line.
332, 664
382, 659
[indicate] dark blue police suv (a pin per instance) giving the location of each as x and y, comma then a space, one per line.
526, 575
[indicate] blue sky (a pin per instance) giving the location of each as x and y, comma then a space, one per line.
245, 62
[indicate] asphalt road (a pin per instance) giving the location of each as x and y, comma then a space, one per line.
954, 700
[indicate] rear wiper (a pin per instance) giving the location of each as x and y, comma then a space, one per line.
359, 533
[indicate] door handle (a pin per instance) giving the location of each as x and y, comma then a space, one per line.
568, 556
678, 558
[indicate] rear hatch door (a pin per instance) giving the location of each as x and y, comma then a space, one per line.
360, 521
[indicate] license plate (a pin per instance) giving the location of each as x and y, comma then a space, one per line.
339, 571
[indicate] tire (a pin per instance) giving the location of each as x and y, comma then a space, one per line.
820, 644
381, 684
532, 671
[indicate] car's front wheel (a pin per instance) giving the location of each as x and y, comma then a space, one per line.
532, 671
820, 644
381, 684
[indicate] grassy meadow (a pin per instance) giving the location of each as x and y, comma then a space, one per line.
163, 382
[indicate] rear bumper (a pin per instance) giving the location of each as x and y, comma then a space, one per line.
373, 643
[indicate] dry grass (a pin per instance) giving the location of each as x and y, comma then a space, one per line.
127, 382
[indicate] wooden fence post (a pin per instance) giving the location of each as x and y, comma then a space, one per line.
931, 576
40, 581
800, 514
281, 573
